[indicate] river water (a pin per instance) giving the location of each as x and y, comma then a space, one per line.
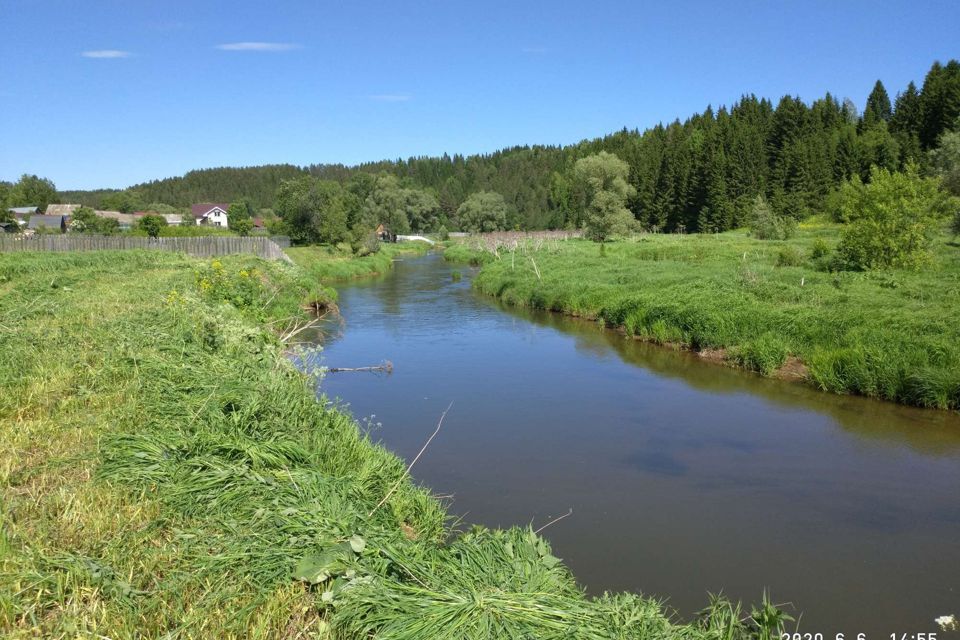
684, 477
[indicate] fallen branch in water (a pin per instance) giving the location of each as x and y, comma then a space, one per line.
386, 366
555, 520
297, 327
410, 466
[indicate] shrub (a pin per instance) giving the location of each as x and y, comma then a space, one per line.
789, 256
243, 226
241, 288
443, 233
820, 249
765, 224
365, 242
955, 227
152, 224
892, 219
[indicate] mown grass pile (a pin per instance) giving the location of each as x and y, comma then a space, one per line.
166, 472
888, 334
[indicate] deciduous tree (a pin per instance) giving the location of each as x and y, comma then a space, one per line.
892, 219
603, 177
483, 211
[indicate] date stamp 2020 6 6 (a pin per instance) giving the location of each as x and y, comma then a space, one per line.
921, 635
946, 623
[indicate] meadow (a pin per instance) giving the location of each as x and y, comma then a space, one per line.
167, 473
774, 307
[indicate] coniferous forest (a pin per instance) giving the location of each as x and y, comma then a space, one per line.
699, 175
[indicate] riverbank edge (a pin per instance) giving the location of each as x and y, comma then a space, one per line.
737, 356
180, 417
328, 264
793, 369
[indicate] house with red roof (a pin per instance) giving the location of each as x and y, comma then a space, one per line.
211, 213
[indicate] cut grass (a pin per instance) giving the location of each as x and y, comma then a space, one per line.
167, 473
892, 335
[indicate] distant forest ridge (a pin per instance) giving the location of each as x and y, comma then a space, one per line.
695, 175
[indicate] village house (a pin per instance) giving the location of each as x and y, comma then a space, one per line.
211, 213
47, 222
61, 209
125, 220
20, 215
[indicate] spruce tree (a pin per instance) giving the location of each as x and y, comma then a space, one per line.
878, 106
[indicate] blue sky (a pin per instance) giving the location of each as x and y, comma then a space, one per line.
107, 94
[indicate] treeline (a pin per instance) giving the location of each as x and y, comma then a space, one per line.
257, 185
698, 175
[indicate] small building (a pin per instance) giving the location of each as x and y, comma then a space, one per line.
61, 209
173, 219
126, 221
211, 213
21, 215
384, 234
52, 223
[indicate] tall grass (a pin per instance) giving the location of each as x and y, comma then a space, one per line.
890, 334
167, 473
331, 263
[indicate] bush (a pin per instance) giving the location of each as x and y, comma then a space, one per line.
364, 242
152, 224
443, 233
765, 224
892, 219
789, 256
243, 226
955, 227
820, 249
241, 288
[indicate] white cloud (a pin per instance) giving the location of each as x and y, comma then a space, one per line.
106, 53
391, 97
258, 46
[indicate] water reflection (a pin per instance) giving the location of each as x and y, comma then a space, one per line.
932, 432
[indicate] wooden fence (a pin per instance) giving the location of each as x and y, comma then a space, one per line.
200, 247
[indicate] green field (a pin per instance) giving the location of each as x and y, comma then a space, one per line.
167, 473
770, 306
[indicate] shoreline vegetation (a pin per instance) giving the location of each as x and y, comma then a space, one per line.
167, 472
326, 263
774, 307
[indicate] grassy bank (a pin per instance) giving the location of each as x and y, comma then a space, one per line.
167, 473
764, 305
330, 263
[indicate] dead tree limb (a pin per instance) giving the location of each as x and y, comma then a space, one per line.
386, 366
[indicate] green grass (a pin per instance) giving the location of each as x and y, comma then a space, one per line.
167, 473
328, 263
891, 334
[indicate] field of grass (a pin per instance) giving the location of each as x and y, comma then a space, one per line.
167, 473
769, 306
330, 263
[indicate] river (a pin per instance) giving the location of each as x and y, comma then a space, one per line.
684, 477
